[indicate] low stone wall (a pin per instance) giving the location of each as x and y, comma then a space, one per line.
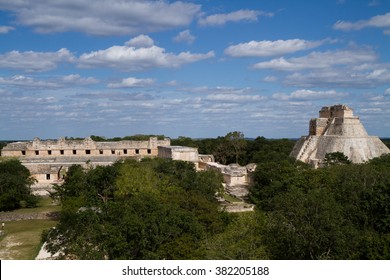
10, 216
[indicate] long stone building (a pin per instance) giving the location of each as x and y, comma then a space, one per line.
337, 130
48, 160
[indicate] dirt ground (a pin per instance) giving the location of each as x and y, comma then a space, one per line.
10, 248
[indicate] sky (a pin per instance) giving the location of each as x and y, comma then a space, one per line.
190, 68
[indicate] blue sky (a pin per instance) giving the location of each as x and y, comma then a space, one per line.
190, 68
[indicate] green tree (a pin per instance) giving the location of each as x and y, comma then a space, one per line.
336, 158
237, 142
309, 225
242, 239
155, 209
15, 183
134, 178
268, 150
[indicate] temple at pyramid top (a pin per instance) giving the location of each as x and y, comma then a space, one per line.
337, 130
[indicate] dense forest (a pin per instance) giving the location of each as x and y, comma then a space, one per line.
163, 209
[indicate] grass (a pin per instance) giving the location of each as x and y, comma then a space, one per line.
22, 239
45, 204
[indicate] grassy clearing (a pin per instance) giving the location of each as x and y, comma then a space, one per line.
45, 204
22, 239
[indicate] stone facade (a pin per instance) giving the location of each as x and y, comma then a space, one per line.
337, 130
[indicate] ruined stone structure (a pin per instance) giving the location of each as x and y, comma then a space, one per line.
179, 153
48, 160
237, 178
184, 153
337, 130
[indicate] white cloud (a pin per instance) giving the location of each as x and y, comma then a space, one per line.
34, 61
319, 60
129, 58
354, 68
141, 41
6, 29
132, 82
212, 97
371, 110
220, 90
47, 83
270, 79
305, 94
76, 79
184, 36
115, 96
380, 21
235, 97
102, 17
241, 15
341, 77
23, 81
172, 83
270, 48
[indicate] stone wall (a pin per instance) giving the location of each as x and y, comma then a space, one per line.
336, 111
12, 216
317, 126
179, 153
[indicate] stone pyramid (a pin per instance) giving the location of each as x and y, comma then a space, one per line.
337, 130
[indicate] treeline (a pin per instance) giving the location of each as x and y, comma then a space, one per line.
235, 148
386, 141
338, 212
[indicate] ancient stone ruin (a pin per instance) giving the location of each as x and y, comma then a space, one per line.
49, 160
337, 130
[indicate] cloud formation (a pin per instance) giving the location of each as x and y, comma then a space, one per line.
31, 61
130, 58
270, 48
102, 17
306, 94
379, 21
184, 36
47, 83
141, 41
132, 82
28, 82
237, 16
341, 77
6, 29
319, 60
